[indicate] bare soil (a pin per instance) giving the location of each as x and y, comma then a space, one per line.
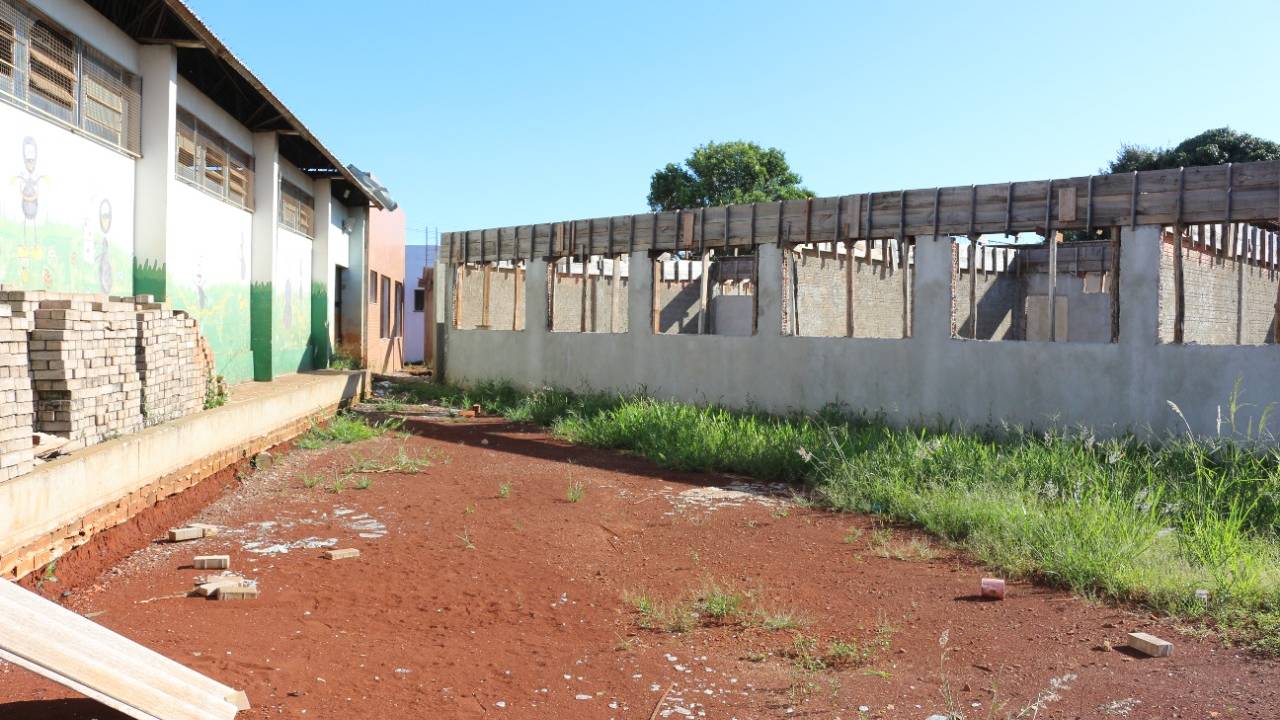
467, 604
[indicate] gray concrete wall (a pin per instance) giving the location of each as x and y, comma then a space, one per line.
930, 377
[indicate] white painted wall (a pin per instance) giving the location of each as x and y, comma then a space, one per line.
66, 212
415, 258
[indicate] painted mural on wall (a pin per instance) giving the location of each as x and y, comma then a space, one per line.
208, 268
66, 209
291, 304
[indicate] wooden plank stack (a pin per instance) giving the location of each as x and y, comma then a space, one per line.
169, 362
16, 401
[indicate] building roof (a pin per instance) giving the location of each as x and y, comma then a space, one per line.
207, 63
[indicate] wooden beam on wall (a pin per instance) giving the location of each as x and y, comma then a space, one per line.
1147, 198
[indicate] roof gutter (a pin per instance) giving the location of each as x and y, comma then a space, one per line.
220, 51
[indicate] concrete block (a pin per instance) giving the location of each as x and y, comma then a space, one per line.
237, 592
216, 583
212, 562
1150, 644
183, 534
342, 554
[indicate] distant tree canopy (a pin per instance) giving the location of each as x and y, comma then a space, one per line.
723, 174
1211, 147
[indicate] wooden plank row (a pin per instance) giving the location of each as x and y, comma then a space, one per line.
1194, 195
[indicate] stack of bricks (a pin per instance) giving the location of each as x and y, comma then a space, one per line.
16, 404
169, 361
83, 357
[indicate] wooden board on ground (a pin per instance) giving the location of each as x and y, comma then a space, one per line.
77, 653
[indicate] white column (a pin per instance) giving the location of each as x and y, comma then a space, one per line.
266, 208
322, 340
153, 172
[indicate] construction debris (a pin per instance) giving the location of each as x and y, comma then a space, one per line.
55, 643
991, 588
212, 562
210, 584
1150, 645
341, 554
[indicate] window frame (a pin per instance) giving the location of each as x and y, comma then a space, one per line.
297, 209
209, 159
52, 73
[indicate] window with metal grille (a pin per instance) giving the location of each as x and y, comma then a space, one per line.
384, 315
297, 209
398, 309
373, 287
210, 162
46, 69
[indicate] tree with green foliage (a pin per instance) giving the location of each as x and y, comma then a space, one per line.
723, 174
1211, 147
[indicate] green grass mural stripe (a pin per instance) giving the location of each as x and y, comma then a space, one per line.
319, 344
149, 279
260, 329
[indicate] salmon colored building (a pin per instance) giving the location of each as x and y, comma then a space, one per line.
384, 307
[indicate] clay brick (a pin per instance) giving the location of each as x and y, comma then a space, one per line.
237, 592
185, 533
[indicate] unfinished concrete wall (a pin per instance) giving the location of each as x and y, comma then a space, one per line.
730, 306
1213, 289
929, 377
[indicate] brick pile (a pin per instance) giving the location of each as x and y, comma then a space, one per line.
83, 363
169, 361
16, 402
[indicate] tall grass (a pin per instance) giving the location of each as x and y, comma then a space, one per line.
1120, 519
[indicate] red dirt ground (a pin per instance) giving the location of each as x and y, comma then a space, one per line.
467, 604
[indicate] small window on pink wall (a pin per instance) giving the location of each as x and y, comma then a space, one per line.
373, 287
384, 314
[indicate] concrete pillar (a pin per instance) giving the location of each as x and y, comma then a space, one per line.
1140, 286
639, 293
535, 297
770, 291
153, 172
266, 204
931, 307
322, 289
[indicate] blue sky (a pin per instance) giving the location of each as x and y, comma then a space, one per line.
487, 114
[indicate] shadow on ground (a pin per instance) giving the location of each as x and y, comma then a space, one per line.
70, 709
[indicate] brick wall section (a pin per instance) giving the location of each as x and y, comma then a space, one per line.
1210, 286
566, 314
999, 300
877, 296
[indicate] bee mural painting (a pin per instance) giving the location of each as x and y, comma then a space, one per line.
59, 230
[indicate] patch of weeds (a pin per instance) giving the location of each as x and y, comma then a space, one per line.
853, 535
780, 620
469, 510
780, 512
339, 484
625, 644
465, 537
388, 405
401, 462
343, 429
504, 490
342, 361
364, 483
719, 603
310, 481
659, 616
574, 491
804, 653
755, 656
917, 548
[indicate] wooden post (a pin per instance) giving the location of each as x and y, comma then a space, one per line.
1239, 256
655, 308
703, 288
1053, 263
582, 320
614, 294
459, 273
1179, 289
487, 279
973, 288
1113, 281
515, 300
848, 288
553, 268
